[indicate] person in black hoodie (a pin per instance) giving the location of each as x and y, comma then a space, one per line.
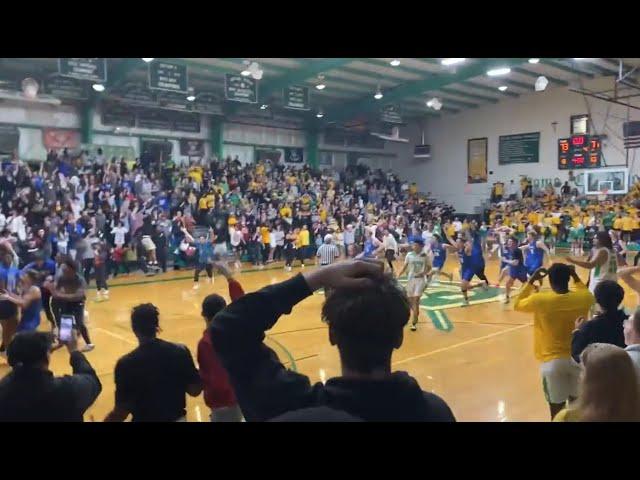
30, 393
606, 327
366, 313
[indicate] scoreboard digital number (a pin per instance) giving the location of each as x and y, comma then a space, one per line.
579, 151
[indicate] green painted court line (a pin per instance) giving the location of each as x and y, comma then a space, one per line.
292, 360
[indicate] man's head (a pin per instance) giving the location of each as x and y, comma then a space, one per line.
417, 244
559, 274
366, 324
30, 350
609, 295
145, 321
328, 238
211, 305
632, 329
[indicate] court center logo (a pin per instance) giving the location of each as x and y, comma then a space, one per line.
440, 296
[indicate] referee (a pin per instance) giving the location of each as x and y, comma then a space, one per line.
327, 252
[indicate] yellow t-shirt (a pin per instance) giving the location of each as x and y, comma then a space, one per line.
285, 212
568, 415
499, 189
196, 174
202, 203
211, 200
533, 218
451, 230
617, 223
554, 317
264, 232
304, 238
555, 220
635, 223
323, 215
627, 224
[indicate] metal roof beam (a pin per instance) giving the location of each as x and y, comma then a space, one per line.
494, 90
565, 68
433, 82
527, 73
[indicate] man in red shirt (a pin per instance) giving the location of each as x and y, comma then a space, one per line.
218, 392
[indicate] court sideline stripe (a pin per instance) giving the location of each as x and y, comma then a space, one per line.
461, 344
292, 360
174, 279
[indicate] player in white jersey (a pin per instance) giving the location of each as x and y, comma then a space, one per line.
418, 265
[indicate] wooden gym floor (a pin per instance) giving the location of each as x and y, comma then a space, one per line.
482, 364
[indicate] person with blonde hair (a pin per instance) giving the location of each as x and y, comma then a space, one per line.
609, 389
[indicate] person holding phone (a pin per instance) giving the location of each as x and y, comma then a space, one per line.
554, 315
30, 301
69, 297
30, 392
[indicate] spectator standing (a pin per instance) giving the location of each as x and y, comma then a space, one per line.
152, 380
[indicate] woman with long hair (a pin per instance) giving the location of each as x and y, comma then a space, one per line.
609, 390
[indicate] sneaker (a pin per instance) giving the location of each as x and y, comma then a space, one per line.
506, 300
196, 286
414, 327
485, 286
465, 303
88, 347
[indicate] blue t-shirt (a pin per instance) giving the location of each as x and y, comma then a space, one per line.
205, 251
9, 277
439, 255
535, 255
47, 268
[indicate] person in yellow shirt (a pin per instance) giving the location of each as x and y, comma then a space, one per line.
304, 239
323, 214
627, 227
285, 211
266, 242
195, 173
554, 316
617, 222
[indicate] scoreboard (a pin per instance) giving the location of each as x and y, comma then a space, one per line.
579, 151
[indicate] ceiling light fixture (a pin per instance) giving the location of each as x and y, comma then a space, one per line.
447, 62
434, 103
98, 87
503, 88
264, 106
320, 85
191, 97
148, 60
378, 94
578, 59
534, 60
496, 72
320, 114
395, 62
541, 83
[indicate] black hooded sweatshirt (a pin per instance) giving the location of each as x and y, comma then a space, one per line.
266, 389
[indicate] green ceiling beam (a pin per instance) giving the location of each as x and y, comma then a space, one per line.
527, 73
416, 88
401, 68
565, 68
295, 76
494, 90
453, 101
473, 96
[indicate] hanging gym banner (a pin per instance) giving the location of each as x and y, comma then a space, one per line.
9, 139
477, 160
58, 139
94, 69
191, 148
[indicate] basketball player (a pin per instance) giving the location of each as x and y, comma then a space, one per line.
535, 250
469, 267
513, 258
439, 253
418, 265
602, 263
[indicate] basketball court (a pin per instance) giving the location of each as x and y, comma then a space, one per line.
479, 358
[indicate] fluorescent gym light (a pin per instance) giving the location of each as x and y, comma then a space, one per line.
503, 88
395, 62
147, 60
447, 62
98, 87
496, 72
534, 60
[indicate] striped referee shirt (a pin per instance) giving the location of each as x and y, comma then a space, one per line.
327, 253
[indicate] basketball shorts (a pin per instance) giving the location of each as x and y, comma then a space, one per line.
531, 269
560, 379
467, 274
518, 275
147, 243
415, 287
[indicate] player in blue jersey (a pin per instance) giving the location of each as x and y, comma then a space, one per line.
29, 301
9, 277
46, 268
513, 258
535, 250
469, 267
439, 254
